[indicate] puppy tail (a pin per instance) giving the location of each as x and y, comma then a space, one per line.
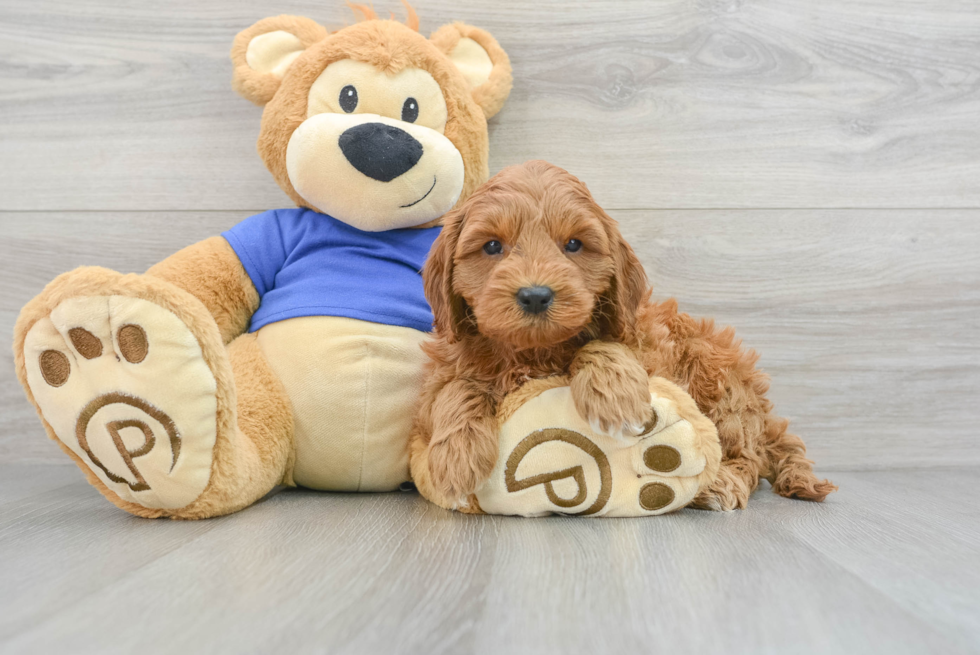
791, 473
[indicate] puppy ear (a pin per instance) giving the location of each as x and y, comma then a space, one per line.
262, 54
481, 60
448, 307
628, 289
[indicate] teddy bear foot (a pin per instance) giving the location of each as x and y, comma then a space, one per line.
123, 384
552, 462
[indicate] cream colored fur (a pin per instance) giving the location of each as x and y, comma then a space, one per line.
273, 52
318, 171
472, 61
173, 353
353, 387
548, 405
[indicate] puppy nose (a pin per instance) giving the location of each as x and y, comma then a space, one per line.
534, 300
382, 152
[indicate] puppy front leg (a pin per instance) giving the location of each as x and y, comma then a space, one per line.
611, 389
463, 447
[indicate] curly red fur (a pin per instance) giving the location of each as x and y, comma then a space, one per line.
601, 328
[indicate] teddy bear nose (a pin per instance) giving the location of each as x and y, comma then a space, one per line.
534, 300
382, 152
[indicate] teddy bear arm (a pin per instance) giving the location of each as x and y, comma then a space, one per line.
211, 272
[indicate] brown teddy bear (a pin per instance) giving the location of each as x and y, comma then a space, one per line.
285, 351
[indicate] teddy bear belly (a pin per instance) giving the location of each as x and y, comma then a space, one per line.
353, 386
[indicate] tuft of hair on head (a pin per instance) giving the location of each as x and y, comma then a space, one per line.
367, 13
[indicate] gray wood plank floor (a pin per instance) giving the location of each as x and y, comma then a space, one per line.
889, 564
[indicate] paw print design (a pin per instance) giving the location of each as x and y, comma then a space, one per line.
123, 384
553, 462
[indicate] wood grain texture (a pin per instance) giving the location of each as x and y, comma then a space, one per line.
868, 321
680, 103
886, 565
72, 563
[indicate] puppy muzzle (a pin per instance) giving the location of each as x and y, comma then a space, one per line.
534, 300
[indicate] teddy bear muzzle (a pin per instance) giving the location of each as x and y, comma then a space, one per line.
373, 172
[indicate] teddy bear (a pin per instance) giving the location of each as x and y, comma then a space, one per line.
287, 350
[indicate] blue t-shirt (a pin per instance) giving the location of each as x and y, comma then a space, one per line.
304, 263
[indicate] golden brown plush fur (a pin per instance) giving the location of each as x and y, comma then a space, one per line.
211, 272
391, 47
601, 329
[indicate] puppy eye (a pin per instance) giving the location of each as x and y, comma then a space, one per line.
410, 110
493, 247
348, 98
573, 245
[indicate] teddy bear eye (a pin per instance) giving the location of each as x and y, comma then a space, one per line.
410, 110
573, 245
348, 98
493, 247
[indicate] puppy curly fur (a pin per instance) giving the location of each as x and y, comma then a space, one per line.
601, 328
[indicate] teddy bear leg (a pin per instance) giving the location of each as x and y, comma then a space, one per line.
552, 462
130, 376
254, 455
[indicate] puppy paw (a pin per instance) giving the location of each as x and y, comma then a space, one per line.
459, 461
615, 401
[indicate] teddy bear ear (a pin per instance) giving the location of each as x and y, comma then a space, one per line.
263, 53
481, 60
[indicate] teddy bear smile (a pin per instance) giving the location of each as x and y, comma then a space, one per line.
423, 197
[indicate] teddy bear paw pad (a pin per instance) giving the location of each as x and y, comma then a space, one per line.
123, 383
552, 462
